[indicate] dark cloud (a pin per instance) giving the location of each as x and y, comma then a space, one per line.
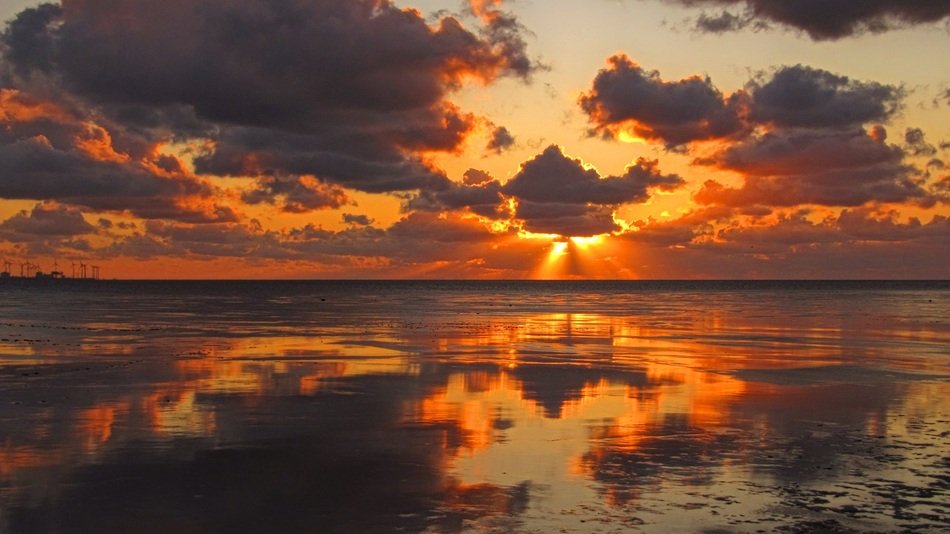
868, 225
45, 220
212, 240
722, 23
858, 243
666, 233
357, 220
846, 169
831, 19
501, 140
479, 192
916, 144
48, 157
553, 177
255, 62
297, 194
804, 152
557, 194
776, 236
352, 160
674, 112
348, 92
476, 177
34, 50
485, 199
791, 167
800, 96
567, 219
851, 226
693, 109
434, 228
48, 230
419, 238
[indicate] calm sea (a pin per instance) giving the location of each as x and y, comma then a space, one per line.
474, 406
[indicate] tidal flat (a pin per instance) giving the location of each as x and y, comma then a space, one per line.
475, 407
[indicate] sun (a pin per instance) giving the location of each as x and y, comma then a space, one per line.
571, 257
586, 243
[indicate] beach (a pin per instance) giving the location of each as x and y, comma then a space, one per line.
474, 406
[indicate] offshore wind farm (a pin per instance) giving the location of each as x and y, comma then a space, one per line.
34, 271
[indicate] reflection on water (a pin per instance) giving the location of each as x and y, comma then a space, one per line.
494, 407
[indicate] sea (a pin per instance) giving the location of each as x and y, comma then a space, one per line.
462, 406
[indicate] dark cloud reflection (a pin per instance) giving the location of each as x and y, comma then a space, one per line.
379, 406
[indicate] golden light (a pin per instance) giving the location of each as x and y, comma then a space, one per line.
585, 243
572, 256
626, 136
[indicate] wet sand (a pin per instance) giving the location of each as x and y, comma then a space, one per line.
369, 407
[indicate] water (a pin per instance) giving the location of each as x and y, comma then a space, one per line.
474, 406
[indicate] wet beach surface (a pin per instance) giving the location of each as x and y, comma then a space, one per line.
486, 407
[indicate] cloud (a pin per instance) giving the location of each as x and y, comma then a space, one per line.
794, 233
552, 177
357, 220
801, 96
554, 194
666, 233
45, 220
46, 153
676, 112
869, 225
827, 19
557, 194
501, 140
48, 229
804, 151
857, 243
352, 160
476, 177
484, 198
832, 168
795, 136
724, 22
624, 96
348, 92
566, 219
298, 194
916, 144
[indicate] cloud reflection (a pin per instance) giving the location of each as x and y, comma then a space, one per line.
703, 411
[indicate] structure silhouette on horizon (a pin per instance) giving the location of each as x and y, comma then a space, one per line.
30, 270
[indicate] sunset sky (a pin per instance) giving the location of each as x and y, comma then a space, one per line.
481, 139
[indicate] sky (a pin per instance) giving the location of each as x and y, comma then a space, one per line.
512, 139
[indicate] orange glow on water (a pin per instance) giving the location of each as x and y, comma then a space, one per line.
95, 425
